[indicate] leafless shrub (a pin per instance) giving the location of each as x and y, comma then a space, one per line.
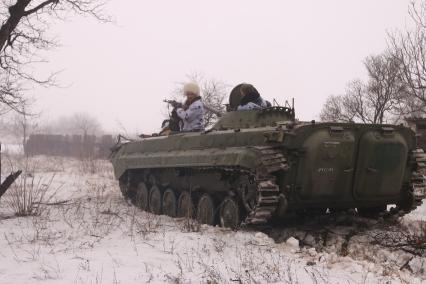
400, 240
173, 279
141, 224
51, 164
48, 272
168, 243
423, 229
96, 215
189, 224
89, 165
150, 224
28, 195
219, 245
92, 165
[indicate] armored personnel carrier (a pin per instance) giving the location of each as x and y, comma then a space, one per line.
254, 165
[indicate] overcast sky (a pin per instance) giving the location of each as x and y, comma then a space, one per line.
303, 49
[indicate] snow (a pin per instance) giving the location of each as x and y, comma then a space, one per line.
87, 233
293, 243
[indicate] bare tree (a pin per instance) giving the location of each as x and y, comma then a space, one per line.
417, 12
21, 124
77, 124
338, 108
333, 110
385, 91
11, 92
24, 124
213, 92
379, 100
409, 50
23, 34
84, 124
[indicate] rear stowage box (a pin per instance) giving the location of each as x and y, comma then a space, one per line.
382, 159
326, 169
352, 164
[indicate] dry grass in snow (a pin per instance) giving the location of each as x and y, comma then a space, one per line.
83, 231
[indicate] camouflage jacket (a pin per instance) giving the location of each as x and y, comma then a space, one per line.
260, 103
193, 116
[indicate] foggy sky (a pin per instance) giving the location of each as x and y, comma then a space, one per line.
120, 72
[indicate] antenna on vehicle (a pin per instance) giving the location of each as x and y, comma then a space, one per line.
287, 104
275, 103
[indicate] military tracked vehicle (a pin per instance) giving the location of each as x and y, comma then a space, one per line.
252, 166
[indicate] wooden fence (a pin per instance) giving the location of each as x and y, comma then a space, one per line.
78, 146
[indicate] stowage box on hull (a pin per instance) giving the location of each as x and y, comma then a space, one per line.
352, 164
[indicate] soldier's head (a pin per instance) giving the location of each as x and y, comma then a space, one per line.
248, 93
191, 90
248, 89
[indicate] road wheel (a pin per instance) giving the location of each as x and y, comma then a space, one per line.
206, 210
169, 203
185, 206
141, 197
229, 213
155, 200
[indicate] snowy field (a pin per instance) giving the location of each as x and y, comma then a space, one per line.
83, 231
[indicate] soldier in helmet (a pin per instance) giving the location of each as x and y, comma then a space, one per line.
192, 111
251, 99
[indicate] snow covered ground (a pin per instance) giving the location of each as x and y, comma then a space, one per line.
87, 233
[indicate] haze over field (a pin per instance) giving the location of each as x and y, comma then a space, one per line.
259, 198
305, 49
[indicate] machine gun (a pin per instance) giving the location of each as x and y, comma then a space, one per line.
173, 103
174, 123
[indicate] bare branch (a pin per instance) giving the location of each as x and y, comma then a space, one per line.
379, 100
24, 33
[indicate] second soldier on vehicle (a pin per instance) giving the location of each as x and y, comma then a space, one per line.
251, 99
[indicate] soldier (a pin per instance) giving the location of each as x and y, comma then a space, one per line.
192, 112
251, 99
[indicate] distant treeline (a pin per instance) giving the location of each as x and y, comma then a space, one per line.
79, 146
